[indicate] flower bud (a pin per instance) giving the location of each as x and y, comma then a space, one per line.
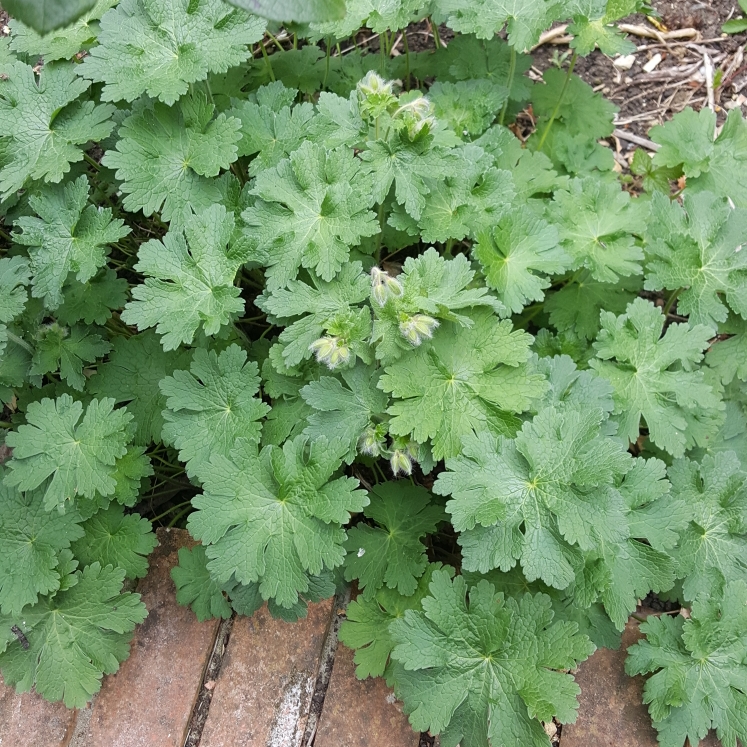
417, 116
331, 351
383, 286
417, 327
375, 94
400, 462
371, 442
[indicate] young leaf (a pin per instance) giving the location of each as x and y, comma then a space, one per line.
698, 668
366, 624
163, 156
79, 456
680, 409
464, 381
69, 236
31, 147
345, 410
313, 207
211, 405
699, 249
538, 495
32, 539
160, 47
716, 537
135, 367
275, 517
391, 553
113, 538
189, 280
75, 637
481, 668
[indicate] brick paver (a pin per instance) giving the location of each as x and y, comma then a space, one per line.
612, 712
30, 721
361, 713
264, 689
149, 702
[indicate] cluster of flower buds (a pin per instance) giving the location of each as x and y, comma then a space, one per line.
372, 440
384, 286
332, 351
417, 116
375, 95
417, 327
402, 456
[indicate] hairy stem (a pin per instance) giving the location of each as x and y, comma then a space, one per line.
670, 301
267, 61
511, 74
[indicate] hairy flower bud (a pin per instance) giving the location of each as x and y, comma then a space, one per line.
417, 116
371, 441
417, 327
384, 287
331, 351
375, 94
400, 462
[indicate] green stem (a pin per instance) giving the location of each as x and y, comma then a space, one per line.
407, 60
267, 61
275, 41
511, 74
436, 36
555, 111
671, 300
5, 235
448, 248
178, 516
18, 341
381, 231
326, 70
5, 424
295, 41
169, 510
91, 162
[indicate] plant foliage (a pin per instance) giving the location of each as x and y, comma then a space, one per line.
327, 311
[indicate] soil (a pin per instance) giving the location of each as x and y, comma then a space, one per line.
649, 98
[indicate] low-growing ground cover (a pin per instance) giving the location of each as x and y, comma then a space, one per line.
395, 318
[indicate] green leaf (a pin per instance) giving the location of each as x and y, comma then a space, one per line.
517, 255
366, 624
467, 106
69, 236
299, 11
136, 366
59, 44
716, 537
14, 276
686, 141
698, 249
196, 587
466, 380
653, 377
113, 538
31, 146
79, 456
92, 302
729, 357
66, 350
538, 496
45, 15
32, 539
164, 156
735, 26
75, 637
160, 47
482, 668
698, 668
391, 552
211, 405
345, 409
525, 19
189, 280
275, 517
597, 223
313, 207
